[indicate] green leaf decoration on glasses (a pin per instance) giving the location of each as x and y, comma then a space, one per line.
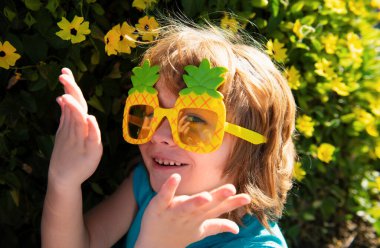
203, 79
144, 77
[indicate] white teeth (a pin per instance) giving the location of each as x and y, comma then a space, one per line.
166, 162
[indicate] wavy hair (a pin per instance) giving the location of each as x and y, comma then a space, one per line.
256, 96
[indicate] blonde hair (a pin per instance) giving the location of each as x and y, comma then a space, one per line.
256, 96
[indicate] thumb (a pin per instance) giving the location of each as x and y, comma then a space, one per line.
215, 226
167, 191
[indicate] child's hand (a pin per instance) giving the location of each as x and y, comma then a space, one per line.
77, 149
176, 221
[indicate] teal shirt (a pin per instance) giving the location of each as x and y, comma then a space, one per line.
252, 234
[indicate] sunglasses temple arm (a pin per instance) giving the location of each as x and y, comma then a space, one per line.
245, 134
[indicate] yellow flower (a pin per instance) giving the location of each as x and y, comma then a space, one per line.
112, 39
374, 105
147, 28
293, 77
8, 57
337, 6
329, 41
363, 116
355, 47
323, 68
339, 87
364, 120
375, 4
298, 172
127, 37
371, 128
276, 50
305, 125
377, 180
230, 24
298, 29
377, 150
74, 31
357, 7
120, 39
143, 4
325, 152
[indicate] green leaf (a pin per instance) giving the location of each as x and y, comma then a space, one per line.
94, 102
145, 75
33, 4
259, 3
31, 42
52, 6
297, 7
28, 101
38, 85
274, 7
215, 94
97, 189
29, 19
151, 90
9, 14
98, 9
203, 78
194, 7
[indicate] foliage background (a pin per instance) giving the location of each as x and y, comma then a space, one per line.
335, 201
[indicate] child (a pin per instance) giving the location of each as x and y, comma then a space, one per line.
213, 118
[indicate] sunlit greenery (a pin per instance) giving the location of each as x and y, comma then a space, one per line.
327, 49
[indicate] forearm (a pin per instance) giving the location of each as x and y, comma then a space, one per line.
62, 219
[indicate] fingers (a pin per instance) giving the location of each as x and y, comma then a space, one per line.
93, 130
78, 123
192, 204
61, 105
71, 87
215, 226
229, 204
166, 193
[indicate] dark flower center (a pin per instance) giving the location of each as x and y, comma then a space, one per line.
108, 40
146, 27
2, 54
121, 37
73, 31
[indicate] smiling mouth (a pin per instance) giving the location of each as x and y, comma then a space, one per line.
164, 162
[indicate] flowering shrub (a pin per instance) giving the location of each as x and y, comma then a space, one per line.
328, 50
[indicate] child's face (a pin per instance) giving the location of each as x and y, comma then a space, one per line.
199, 172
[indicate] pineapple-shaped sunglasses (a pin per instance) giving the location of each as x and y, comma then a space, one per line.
198, 118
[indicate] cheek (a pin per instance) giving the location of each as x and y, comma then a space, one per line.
143, 150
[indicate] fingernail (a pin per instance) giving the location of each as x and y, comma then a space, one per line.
246, 201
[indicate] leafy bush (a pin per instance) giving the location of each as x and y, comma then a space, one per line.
328, 49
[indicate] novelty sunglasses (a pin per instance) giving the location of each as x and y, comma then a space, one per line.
198, 118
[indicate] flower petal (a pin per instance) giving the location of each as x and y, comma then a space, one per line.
64, 23
3, 63
64, 34
77, 38
12, 58
8, 48
77, 21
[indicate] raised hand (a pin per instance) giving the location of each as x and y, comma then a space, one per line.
77, 149
177, 221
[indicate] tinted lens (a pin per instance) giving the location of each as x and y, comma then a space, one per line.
139, 121
196, 127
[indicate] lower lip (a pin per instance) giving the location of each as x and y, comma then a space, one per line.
168, 167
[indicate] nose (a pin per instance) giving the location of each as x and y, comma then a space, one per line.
163, 134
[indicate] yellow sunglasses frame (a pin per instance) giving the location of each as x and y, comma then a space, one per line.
172, 115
